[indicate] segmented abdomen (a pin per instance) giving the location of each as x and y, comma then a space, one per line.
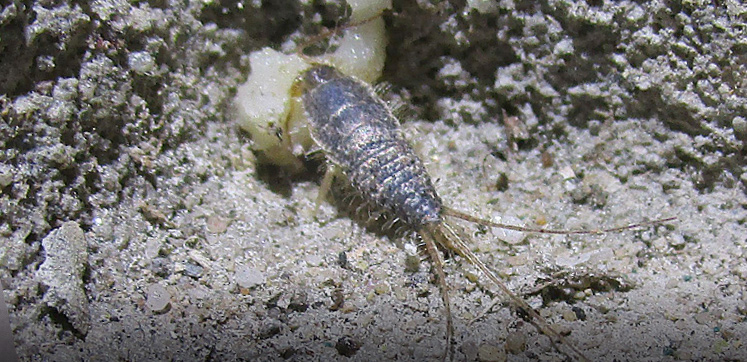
357, 132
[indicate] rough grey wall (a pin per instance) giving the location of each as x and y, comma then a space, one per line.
115, 121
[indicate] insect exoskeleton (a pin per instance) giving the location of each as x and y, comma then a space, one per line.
360, 135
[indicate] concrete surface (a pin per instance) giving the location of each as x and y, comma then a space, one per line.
116, 122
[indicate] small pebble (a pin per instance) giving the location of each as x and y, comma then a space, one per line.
338, 299
562, 329
412, 263
342, 260
580, 313
677, 241
400, 293
683, 356
160, 267
347, 346
739, 124
501, 184
516, 260
299, 302
158, 298
382, 288
269, 329
248, 277
567, 173
199, 292
546, 159
569, 315
471, 276
193, 270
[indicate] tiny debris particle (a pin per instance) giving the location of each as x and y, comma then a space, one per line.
158, 298
563, 330
248, 277
299, 302
567, 173
580, 313
569, 315
400, 293
501, 184
347, 346
412, 263
342, 260
338, 299
269, 329
546, 159
154, 216
471, 276
160, 266
193, 270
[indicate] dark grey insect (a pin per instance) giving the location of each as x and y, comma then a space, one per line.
358, 132
361, 138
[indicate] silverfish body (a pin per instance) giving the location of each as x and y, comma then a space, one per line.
358, 133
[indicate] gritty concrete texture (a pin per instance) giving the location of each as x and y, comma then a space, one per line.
118, 138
